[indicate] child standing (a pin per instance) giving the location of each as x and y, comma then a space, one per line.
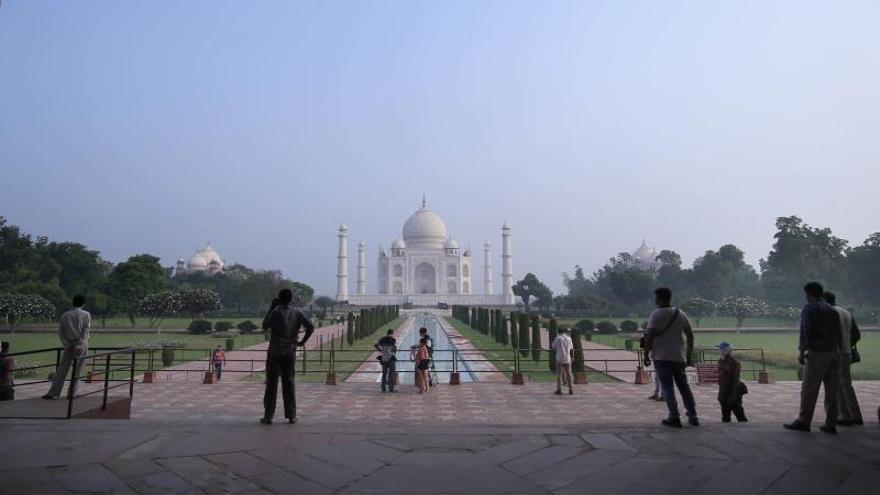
730, 388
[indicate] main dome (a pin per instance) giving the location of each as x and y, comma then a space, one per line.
424, 229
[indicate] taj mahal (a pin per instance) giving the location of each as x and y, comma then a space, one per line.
425, 267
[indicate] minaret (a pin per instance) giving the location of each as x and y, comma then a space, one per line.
506, 265
487, 269
362, 269
342, 268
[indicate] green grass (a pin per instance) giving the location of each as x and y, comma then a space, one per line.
780, 351
502, 357
705, 322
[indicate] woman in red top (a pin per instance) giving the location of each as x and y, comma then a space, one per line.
422, 359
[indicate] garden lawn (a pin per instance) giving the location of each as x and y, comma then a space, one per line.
780, 351
503, 357
705, 322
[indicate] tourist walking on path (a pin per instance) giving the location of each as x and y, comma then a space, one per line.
564, 356
219, 360
730, 388
73, 332
284, 322
7, 369
669, 341
820, 355
387, 347
849, 413
421, 357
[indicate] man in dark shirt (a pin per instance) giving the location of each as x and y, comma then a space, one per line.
820, 356
284, 322
387, 347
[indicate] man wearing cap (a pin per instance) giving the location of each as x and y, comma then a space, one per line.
730, 388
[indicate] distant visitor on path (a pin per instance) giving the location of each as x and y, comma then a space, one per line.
564, 356
219, 360
421, 358
73, 332
284, 322
7, 369
849, 413
820, 355
730, 388
668, 327
387, 347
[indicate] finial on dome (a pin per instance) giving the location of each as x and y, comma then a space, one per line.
424, 200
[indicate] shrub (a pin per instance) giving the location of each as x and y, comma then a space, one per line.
552, 333
167, 356
26, 369
536, 338
629, 326
230, 344
578, 364
523, 340
585, 326
606, 327
200, 327
246, 326
229, 334
222, 326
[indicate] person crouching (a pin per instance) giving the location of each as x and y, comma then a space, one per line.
730, 388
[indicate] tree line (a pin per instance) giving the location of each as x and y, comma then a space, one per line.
38, 278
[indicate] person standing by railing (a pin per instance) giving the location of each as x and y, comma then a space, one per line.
7, 370
74, 334
421, 357
387, 347
284, 322
564, 357
218, 358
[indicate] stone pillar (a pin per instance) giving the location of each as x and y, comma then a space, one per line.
342, 267
506, 265
488, 283
362, 269
766, 377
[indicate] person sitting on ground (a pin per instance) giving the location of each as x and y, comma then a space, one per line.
7, 370
421, 357
730, 388
219, 360
73, 331
387, 347
669, 341
564, 357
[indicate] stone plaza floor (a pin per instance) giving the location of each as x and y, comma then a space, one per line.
473, 438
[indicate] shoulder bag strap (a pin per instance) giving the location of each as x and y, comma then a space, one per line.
668, 324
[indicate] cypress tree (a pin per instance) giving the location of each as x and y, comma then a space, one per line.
349, 329
523, 334
474, 323
492, 323
578, 364
536, 338
552, 332
514, 333
503, 324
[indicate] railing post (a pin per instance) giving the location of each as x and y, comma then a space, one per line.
765, 376
517, 378
331, 370
131, 376
106, 382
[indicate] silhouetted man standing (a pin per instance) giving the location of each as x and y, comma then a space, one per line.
820, 356
284, 322
73, 331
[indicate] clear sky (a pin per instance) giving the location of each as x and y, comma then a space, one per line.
135, 126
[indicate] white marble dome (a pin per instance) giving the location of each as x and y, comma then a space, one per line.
398, 244
451, 244
209, 254
425, 229
197, 262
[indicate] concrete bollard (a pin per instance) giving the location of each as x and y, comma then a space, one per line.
517, 378
331, 379
150, 377
454, 378
643, 377
766, 377
580, 378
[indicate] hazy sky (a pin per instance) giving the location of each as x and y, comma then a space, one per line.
135, 126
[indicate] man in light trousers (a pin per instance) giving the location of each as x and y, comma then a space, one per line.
848, 411
73, 332
564, 357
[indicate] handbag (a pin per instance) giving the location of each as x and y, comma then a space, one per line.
743, 389
856, 357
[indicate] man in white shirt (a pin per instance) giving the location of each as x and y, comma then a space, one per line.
74, 334
564, 356
848, 411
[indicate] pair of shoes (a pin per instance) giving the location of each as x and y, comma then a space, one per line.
796, 426
292, 420
693, 421
50, 397
671, 422
844, 422
830, 429
659, 399
392, 391
744, 420
558, 392
725, 420
265, 420
570, 392
653, 397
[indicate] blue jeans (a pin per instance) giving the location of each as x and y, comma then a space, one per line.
669, 372
388, 374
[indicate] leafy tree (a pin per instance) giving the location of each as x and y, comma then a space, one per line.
324, 302
742, 308
159, 305
792, 314
131, 281
585, 326
722, 273
620, 282
800, 254
698, 308
198, 302
530, 287
14, 307
864, 272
